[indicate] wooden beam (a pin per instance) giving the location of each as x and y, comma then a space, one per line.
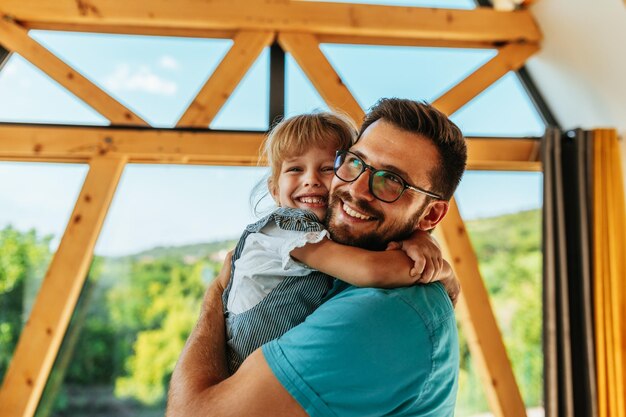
15, 38
246, 48
509, 58
139, 145
398, 41
500, 154
482, 24
135, 30
53, 143
477, 319
304, 48
43, 332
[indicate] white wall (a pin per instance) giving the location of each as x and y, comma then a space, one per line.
581, 69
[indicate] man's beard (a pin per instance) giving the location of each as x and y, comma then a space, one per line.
374, 240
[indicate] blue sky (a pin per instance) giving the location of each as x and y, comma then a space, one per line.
158, 77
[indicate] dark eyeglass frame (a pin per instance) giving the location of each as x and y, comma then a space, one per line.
374, 171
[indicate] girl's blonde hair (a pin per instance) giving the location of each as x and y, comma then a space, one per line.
295, 135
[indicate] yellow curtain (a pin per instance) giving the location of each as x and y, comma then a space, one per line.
609, 232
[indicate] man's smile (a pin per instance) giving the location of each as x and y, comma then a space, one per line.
353, 213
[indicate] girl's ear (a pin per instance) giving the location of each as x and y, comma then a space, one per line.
273, 191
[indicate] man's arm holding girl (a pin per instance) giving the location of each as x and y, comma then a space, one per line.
200, 385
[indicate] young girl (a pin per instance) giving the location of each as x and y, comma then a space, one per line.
270, 291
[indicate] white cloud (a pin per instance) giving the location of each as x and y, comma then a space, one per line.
140, 79
168, 62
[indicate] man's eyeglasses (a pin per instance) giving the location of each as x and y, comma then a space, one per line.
384, 185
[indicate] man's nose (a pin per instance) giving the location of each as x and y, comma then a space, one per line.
360, 187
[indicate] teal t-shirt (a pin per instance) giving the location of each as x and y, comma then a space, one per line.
372, 352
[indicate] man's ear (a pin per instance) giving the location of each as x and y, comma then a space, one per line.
435, 212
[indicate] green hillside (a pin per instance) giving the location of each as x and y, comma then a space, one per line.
198, 251
513, 233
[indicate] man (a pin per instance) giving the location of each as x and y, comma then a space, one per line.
365, 351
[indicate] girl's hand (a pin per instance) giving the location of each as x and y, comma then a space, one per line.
426, 255
422, 248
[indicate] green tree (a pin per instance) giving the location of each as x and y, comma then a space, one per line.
509, 253
160, 319
24, 257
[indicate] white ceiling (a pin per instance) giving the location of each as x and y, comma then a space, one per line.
581, 68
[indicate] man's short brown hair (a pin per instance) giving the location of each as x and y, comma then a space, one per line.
425, 120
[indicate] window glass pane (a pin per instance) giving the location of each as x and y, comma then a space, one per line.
156, 77
300, 95
39, 196
248, 107
488, 193
165, 205
504, 109
30, 96
36, 201
372, 72
502, 211
169, 226
163, 240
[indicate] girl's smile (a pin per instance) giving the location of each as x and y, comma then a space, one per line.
304, 181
